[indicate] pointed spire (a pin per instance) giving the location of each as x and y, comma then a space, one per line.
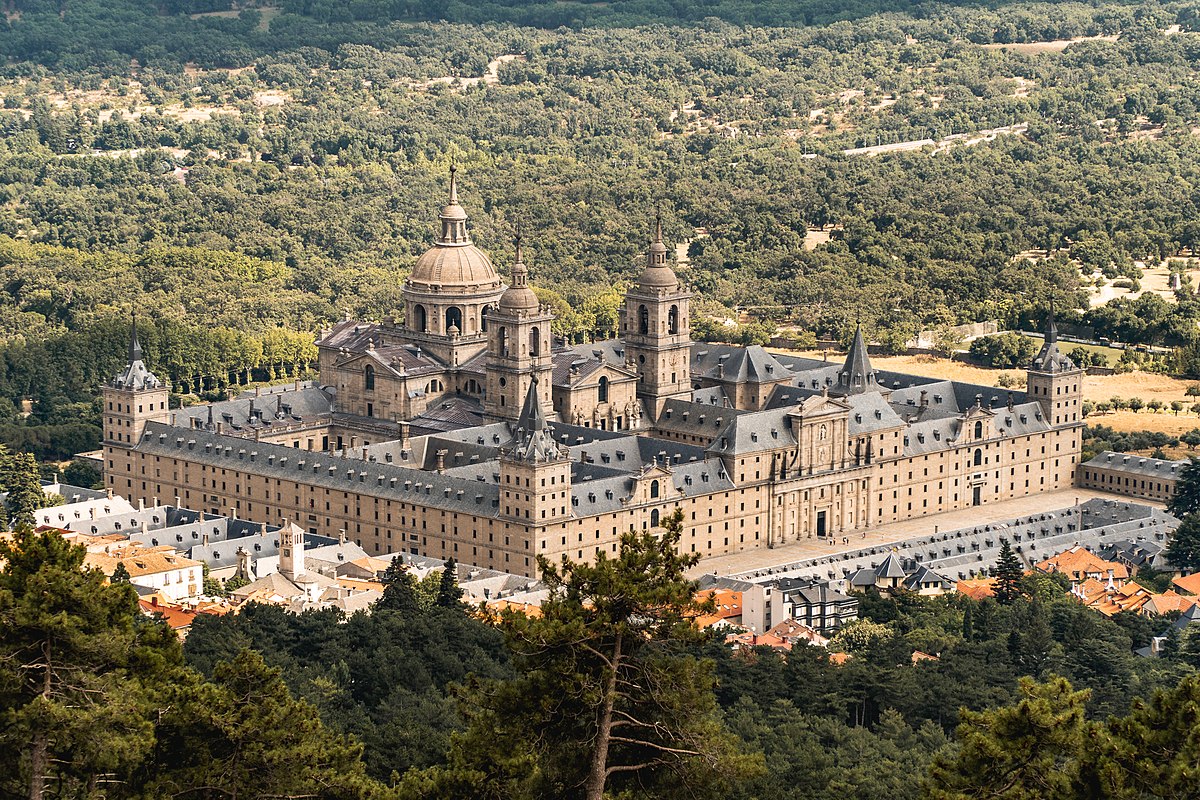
453, 217
1051, 326
520, 274
656, 256
533, 438
532, 419
857, 375
135, 347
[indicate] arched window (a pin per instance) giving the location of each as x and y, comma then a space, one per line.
654, 518
420, 321
654, 490
502, 340
602, 392
643, 320
454, 318
979, 430
535, 342
369, 376
978, 457
673, 320
483, 319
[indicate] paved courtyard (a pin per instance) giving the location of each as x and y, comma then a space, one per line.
895, 532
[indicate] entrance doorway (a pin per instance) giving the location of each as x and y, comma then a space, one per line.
976, 498
821, 526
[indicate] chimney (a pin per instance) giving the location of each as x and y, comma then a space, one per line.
109, 493
441, 461
297, 384
141, 504
154, 502
924, 398
232, 513
404, 427
1010, 401
341, 536
177, 501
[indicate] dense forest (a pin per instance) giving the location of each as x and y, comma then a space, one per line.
427, 698
242, 178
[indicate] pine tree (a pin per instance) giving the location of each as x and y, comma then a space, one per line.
80, 671
1186, 499
1183, 551
1008, 574
399, 590
1030, 751
449, 594
19, 477
120, 574
606, 697
244, 735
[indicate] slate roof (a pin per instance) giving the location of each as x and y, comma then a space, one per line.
732, 364
375, 341
682, 417
960, 554
923, 576
856, 375
137, 376
371, 478
451, 412
285, 405
1143, 466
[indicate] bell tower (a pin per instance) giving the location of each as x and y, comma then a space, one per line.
131, 399
1055, 382
656, 330
535, 471
519, 340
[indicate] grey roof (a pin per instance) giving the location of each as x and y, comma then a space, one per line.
683, 417
275, 407
371, 478
891, 567
755, 431
729, 364
967, 552
870, 412
1050, 358
1143, 466
923, 576
810, 592
533, 438
383, 346
451, 412
1189, 617
137, 376
856, 375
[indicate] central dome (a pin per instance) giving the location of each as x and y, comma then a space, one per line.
453, 264
455, 267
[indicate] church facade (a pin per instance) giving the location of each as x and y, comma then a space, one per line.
465, 431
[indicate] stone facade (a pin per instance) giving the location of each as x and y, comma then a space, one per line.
406, 446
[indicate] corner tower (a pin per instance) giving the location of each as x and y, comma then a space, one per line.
1055, 382
519, 340
131, 399
656, 330
535, 471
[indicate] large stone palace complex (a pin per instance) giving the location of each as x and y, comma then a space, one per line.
465, 431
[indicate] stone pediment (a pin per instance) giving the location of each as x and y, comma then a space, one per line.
821, 405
